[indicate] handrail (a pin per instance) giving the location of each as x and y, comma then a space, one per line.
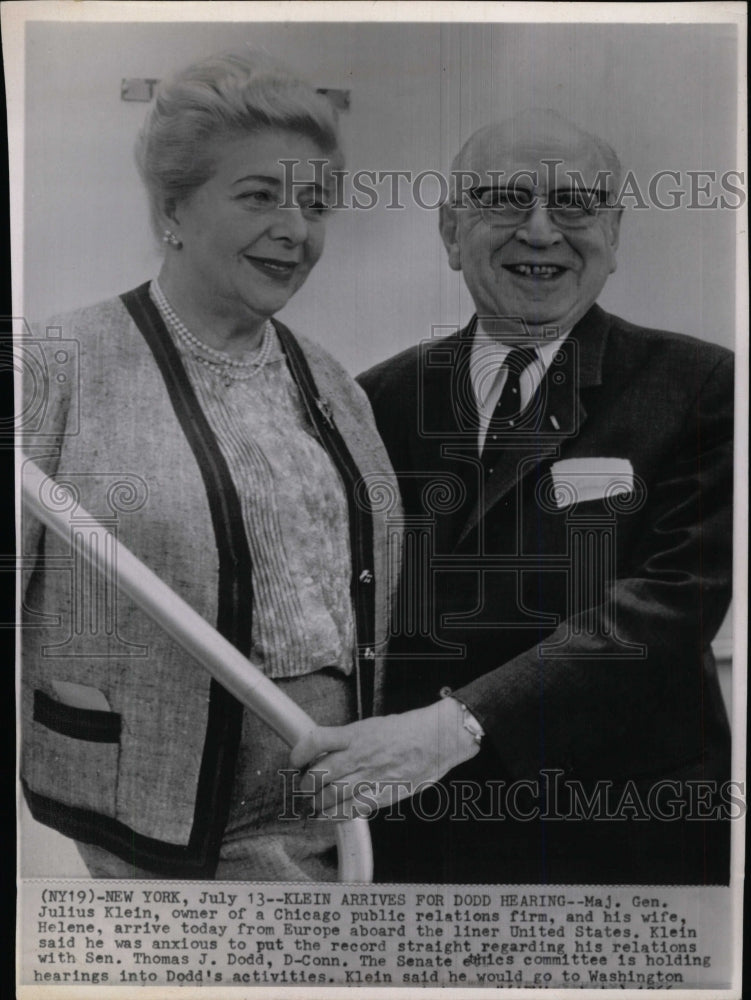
224, 662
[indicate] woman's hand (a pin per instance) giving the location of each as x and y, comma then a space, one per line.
355, 769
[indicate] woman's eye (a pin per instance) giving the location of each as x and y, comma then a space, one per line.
315, 208
259, 199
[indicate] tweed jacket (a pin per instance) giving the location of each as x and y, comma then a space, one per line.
571, 614
147, 773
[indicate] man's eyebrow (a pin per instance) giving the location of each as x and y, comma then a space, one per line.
597, 189
520, 186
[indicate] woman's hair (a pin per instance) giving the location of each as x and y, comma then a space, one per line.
222, 96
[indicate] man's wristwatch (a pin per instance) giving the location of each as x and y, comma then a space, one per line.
469, 722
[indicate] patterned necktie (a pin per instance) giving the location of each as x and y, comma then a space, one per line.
509, 406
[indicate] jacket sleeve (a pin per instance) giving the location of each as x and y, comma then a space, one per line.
591, 710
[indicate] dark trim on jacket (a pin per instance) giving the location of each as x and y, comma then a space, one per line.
199, 857
362, 588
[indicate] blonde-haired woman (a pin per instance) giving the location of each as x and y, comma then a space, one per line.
252, 444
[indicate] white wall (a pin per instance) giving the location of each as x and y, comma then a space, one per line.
658, 94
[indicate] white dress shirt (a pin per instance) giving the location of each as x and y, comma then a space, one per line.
488, 380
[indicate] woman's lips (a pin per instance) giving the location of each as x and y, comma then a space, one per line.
281, 270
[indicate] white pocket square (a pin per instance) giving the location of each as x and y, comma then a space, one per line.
577, 480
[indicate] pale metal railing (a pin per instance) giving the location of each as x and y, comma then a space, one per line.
223, 661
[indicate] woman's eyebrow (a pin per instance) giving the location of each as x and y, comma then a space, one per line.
258, 177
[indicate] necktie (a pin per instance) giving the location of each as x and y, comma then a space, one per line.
509, 406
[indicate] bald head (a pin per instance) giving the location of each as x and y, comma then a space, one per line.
536, 136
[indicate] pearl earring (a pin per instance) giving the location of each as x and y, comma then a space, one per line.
169, 237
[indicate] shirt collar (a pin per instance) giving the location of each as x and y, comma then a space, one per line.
488, 354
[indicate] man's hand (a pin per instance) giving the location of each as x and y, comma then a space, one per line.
380, 760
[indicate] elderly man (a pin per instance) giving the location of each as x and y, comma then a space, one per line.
567, 482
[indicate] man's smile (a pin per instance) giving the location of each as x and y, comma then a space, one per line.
542, 272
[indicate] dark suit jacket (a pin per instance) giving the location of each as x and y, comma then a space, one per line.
576, 630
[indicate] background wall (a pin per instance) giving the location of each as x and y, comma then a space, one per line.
659, 94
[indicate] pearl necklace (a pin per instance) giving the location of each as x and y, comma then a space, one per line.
218, 362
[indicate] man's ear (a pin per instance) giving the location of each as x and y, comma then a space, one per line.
449, 234
613, 223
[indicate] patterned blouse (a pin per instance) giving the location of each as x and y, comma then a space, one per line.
294, 511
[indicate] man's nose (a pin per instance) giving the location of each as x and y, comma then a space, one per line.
538, 228
290, 224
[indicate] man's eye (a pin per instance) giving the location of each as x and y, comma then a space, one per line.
494, 198
502, 200
575, 204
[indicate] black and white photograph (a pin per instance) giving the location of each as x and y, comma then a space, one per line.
381, 517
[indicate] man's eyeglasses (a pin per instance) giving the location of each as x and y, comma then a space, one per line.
574, 208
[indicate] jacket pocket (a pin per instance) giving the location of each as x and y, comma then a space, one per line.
78, 723
72, 754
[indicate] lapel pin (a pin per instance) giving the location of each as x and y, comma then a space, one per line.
325, 409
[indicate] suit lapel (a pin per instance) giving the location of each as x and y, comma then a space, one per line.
441, 429
445, 412
557, 419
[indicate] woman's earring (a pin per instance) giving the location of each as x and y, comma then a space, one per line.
169, 237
